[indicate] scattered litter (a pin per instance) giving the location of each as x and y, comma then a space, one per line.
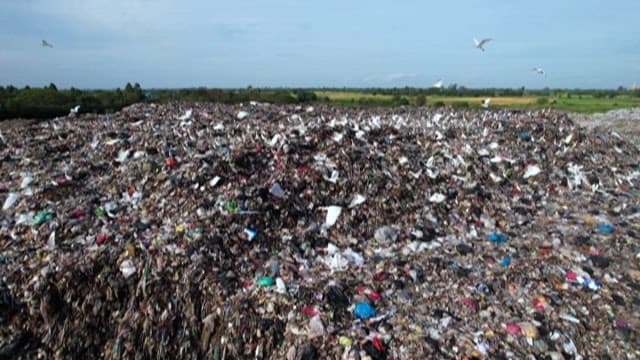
364, 311
497, 238
11, 200
266, 231
333, 212
531, 171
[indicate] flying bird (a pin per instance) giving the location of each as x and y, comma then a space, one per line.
46, 44
538, 70
74, 110
439, 84
480, 43
485, 103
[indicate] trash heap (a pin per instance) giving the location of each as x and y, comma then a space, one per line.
282, 232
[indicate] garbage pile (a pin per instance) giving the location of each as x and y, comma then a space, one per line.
622, 121
282, 232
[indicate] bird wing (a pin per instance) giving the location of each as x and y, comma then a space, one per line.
484, 41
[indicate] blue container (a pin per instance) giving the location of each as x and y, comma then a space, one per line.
364, 311
605, 228
497, 238
505, 262
524, 135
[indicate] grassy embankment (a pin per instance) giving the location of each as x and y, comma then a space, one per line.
565, 102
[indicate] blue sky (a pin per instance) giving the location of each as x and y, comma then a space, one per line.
171, 43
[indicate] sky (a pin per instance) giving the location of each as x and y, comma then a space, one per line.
301, 43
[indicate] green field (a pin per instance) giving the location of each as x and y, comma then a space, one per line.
565, 102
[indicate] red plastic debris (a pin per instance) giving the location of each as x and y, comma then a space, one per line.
378, 344
302, 170
471, 303
539, 303
381, 276
171, 162
546, 250
514, 329
310, 311
101, 239
374, 296
78, 214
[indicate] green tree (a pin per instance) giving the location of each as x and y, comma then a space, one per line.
75, 92
421, 100
53, 87
305, 96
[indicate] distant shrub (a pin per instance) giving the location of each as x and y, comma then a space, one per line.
398, 100
421, 100
438, 104
280, 97
542, 100
305, 96
460, 105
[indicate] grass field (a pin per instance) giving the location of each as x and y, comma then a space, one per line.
565, 102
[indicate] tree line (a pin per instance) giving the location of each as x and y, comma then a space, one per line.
49, 101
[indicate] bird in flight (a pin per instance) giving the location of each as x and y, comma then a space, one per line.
439, 84
480, 43
538, 70
46, 44
485, 103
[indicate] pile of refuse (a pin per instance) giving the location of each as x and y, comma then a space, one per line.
287, 232
622, 121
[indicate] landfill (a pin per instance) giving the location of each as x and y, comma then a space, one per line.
259, 231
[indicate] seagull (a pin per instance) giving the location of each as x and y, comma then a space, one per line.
46, 44
439, 84
74, 110
538, 70
485, 103
480, 44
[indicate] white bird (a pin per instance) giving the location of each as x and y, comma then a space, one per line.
480, 43
439, 84
538, 70
74, 110
46, 44
485, 103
